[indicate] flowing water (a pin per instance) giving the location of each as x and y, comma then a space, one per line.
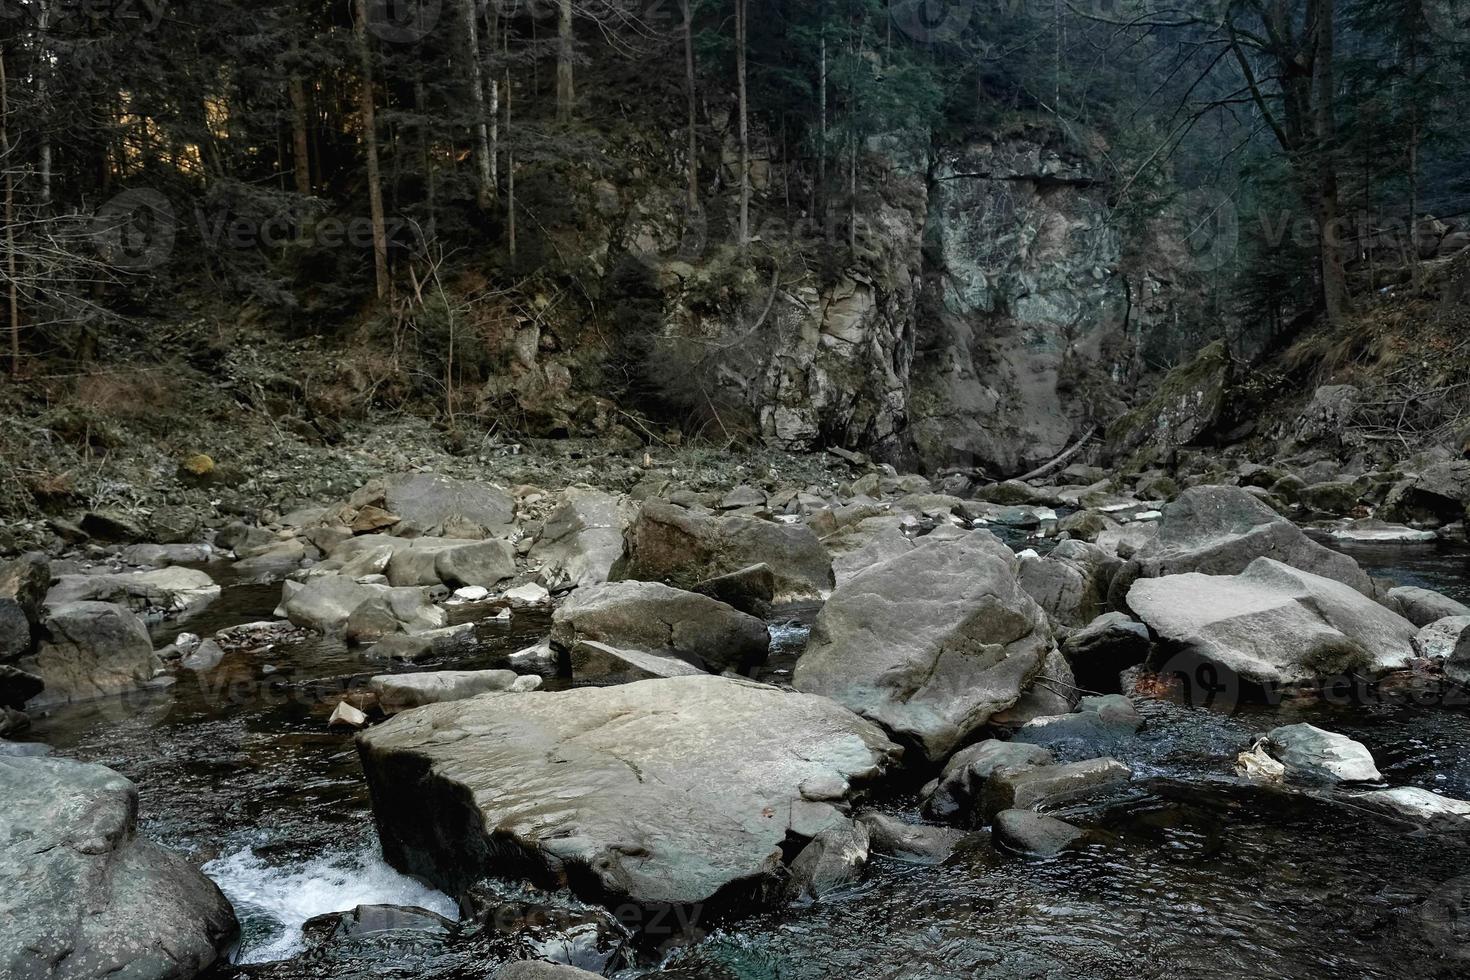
1189, 875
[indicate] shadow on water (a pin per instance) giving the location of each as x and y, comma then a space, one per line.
1191, 875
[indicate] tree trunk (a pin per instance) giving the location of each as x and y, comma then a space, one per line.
689, 88
300, 140
822, 130
565, 92
486, 189
43, 109
370, 143
740, 38
510, 174
1335, 294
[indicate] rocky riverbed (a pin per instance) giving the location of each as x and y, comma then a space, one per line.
827, 720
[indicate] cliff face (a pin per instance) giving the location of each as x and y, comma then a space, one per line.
984, 323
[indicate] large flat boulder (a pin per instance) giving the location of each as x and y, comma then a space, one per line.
676, 792
91, 650
1071, 583
429, 504
657, 619
82, 896
327, 602
169, 590
683, 548
402, 692
867, 543
1221, 530
581, 538
1274, 624
930, 644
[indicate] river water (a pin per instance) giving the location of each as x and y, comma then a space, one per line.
1191, 875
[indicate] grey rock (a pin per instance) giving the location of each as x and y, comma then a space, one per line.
170, 590
17, 687
1312, 755
917, 843
600, 664
963, 779
486, 564
1035, 834
581, 538
750, 590
1099, 727
25, 581
371, 920
670, 792
658, 619
171, 524
1050, 787
833, 859
1186, 405
91, 650
1071, 583
1423, 606
325, 603
1274, 624
534, 970
16, 633
428, 502
85, 896
400, 692
860, 546
1440, 639
1104, 648
669, 544
1053, 691
929, 644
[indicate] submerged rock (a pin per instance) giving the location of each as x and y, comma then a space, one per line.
371, 920
1274, 624
664, 793
670, 544
1034, 834
831, 860
1100, 726
930, 644
84, 897
1049, 787
918, 843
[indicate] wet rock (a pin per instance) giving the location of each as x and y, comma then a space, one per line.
669, 544
1312, 755
867, 543
1419, 805
207, 655
1071, 583
1329, 499
1100, 726
1440, 639
1104, 648
1035, 834
1086, 525
833, 859
172, 590
372, 920
581, 538
960, 784
346, 715
1457, 667
444, 642
670, 792
325, 603
486, 564
532, 595
400, 692
1423, 606
1053, 691
750, 590
1274, 624
1221, 530
929, 644
91, 650
86, 897
654, 618
1185, 407
534, 970
18, 686
17, 750
1050, 787
1371, 531
918, 843
244, 540
600, 664
1438, 494
521, 921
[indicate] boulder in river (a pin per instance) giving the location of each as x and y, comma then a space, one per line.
1034, 834
581, 538
915, 842
1220, 531
428, 503
953, 794
85, 897
657, 619
169, 590
665, 793
1312, 755
869, 542
400, 692
1071, 583
325, 604
1274, 624
930, 644
91, 650
1423, 606
1049, 787
1441, 638
1099, 727
669, 544
1104, 648
831, 860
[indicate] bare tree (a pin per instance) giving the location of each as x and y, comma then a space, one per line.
366, 99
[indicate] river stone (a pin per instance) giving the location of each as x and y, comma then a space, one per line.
581, 538
870, 542
1100, 726
400, 692
833, 859
1423, 606
16, 632
1034, 834
536, 970
370, 920
91, 650
1440, 639
1049, 787
486, 564
1312, 755
675, 792
25, 582
600, 664
1372, 531
750, 590
929, 644
427, 503
1071, 583
657, 619
1417, 804
918, 843
1104, 648
670, 544
327, 602
84, 897
1274, 624
960, 783
174, 590
1220, 531
1053, 691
